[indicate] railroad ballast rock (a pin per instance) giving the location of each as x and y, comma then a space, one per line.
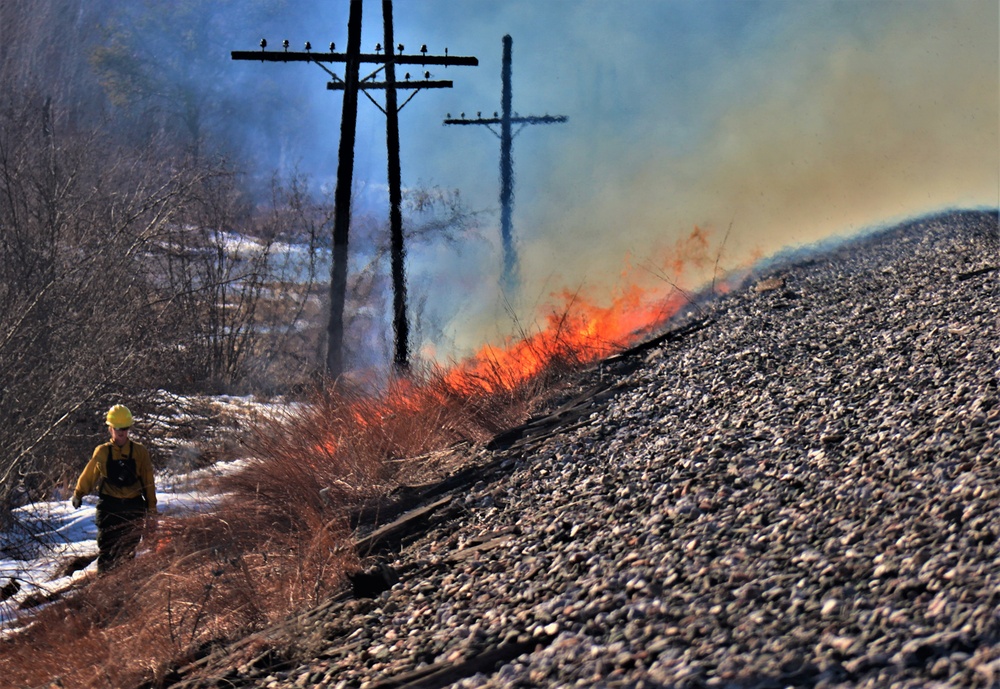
803, 492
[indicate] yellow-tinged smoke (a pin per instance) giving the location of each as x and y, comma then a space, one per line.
858, 133
847, 139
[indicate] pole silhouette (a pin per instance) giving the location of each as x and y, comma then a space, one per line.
400, 323
342, 196
506, 120
351, 85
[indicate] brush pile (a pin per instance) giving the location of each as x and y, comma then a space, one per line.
803, 491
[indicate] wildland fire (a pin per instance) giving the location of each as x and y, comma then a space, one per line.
695, 387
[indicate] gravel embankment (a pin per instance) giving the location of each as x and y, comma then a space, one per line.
804, 492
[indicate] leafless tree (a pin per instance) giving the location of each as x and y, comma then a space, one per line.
78, 219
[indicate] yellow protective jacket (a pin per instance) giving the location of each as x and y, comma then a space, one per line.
96, 471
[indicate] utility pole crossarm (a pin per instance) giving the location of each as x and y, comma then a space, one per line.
540, 119
372, 58
398, 85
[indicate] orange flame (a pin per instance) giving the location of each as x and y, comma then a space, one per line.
578, 329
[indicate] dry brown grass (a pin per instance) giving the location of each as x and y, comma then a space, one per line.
278, 542
206, 579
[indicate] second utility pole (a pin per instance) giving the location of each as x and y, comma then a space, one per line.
509, 280
400, 323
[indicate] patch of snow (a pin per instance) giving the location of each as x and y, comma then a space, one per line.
49, 536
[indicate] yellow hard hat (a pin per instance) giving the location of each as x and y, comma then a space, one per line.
119, 416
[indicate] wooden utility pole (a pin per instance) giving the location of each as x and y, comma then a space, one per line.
342, 196
400, 323
351, 84
506, 120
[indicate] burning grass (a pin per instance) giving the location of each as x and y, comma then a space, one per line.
280, 539
278, 542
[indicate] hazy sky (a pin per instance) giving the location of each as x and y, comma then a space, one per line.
786, 121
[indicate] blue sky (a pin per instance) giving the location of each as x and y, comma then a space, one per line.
788, 121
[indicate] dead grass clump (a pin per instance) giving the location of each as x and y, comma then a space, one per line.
202, 581
279, 541
343, 447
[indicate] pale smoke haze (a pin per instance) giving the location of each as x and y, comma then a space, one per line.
860, 134
768, 123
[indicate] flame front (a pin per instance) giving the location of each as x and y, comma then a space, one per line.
575, 330
578, 329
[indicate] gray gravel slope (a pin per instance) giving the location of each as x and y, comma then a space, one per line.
803, 493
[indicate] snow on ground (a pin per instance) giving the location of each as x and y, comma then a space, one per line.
51, 538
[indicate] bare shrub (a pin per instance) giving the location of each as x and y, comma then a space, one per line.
78, 218
208, 280
292, 310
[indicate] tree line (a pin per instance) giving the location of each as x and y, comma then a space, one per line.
142, 246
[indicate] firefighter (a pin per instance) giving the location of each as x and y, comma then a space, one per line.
122, 474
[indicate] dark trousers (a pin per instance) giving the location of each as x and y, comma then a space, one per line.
119, 522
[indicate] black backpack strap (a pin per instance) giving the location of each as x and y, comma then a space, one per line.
129, 462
